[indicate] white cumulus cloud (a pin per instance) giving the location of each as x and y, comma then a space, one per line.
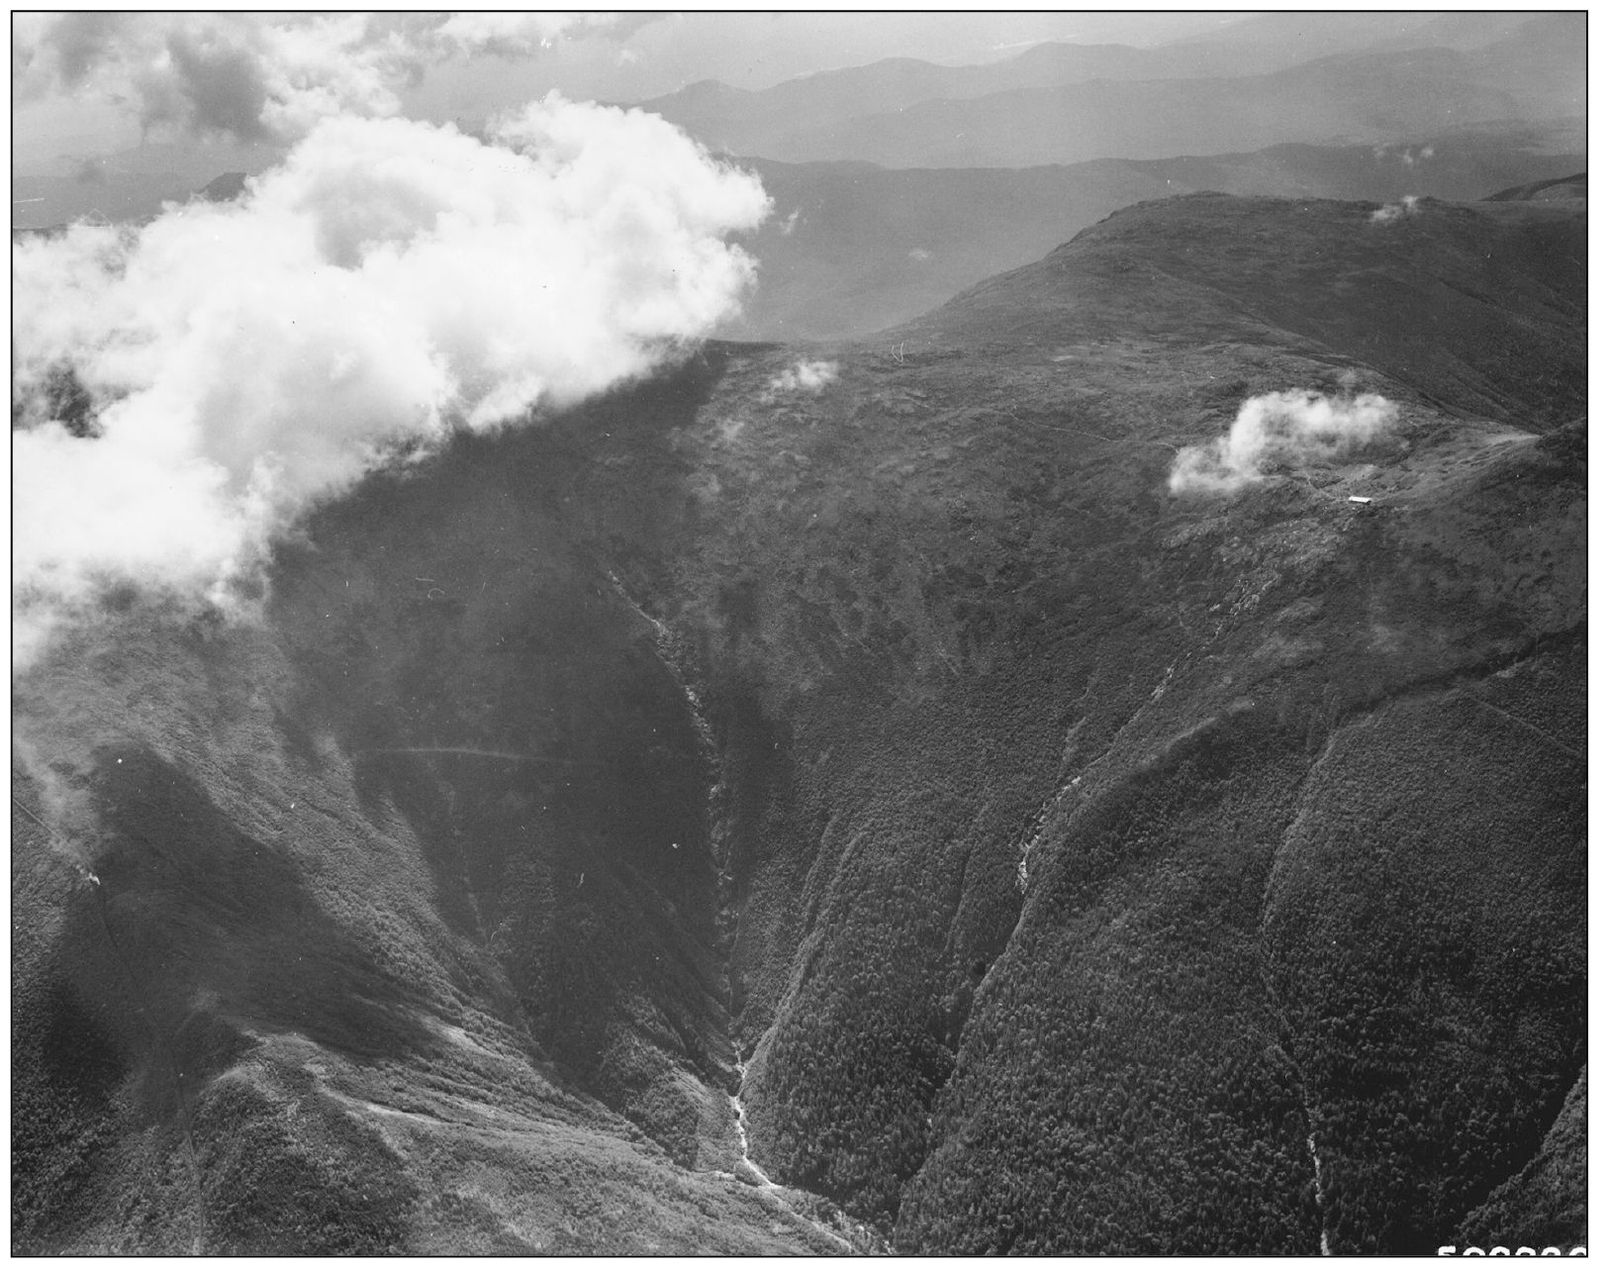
390, 281
266, 77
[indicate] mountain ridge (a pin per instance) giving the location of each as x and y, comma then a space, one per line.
853, 248
1184, 239
897, 728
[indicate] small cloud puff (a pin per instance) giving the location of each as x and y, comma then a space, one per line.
1409, 205
1281, 429
1408, 157
806, 376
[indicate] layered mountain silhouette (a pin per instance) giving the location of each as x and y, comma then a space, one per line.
1238, 91
130, 185
1041, 853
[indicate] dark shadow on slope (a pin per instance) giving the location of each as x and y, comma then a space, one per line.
208, 925
187, 935
467, 632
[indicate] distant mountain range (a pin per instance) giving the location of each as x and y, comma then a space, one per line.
1241, 89
1275, 79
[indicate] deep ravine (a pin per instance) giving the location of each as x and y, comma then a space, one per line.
818, 1212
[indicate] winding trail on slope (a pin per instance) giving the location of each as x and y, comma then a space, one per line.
1531, 727
466, 752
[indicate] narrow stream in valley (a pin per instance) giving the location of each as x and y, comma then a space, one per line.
747, 1167
1319, 1196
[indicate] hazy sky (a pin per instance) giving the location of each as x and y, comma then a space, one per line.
644, 56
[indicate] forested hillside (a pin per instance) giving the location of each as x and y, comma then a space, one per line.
1061, 831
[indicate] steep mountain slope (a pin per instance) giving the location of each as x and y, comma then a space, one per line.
386, 924
1048, 862
317, 961
1092, 686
